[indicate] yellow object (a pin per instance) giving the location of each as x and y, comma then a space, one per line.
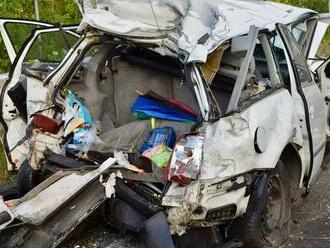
211, 67
153, 122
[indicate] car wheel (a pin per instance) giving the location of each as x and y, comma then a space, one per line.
27, 178
267, 223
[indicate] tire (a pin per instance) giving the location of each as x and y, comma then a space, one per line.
267, 220
27, 178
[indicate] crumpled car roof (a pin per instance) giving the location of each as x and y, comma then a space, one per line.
191, 28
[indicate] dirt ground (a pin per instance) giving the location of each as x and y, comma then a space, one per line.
310, 224
311, 221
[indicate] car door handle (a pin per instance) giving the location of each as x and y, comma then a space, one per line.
327, 99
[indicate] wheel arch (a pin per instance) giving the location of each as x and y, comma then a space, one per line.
293, 163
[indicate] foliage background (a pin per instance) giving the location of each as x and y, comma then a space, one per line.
66, 12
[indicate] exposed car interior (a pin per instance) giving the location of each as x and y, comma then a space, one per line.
109, 82
109, 78
261, 76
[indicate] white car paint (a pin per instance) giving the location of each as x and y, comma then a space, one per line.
185, 22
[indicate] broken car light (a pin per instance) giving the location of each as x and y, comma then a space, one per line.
186, 159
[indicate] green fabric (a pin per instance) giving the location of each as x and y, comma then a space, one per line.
138, 116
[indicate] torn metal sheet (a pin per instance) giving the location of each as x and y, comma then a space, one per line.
193, 28
61, 223
37, 209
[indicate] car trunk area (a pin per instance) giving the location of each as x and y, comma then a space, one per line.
108, 82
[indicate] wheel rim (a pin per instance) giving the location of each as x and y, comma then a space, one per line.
273, 212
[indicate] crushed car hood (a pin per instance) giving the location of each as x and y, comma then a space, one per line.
192, 28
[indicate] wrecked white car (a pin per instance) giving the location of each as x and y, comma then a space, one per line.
191, 122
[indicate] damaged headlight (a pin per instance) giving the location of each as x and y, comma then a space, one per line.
186, 159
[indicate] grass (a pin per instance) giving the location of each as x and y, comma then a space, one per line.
4, 175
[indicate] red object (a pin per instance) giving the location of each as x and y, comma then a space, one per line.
180, 179
46, 124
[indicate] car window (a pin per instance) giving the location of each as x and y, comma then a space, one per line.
19, 32
262, 74
298, 59
297, 33
4, 61
323, 51
279, 54
46, 53
303, 34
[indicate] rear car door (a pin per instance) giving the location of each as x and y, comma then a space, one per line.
41, 54
314, 105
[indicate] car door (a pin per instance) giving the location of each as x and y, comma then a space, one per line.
315, 109
15, 31
41, 53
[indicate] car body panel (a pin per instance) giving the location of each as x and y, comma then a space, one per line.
211, 27
237, 133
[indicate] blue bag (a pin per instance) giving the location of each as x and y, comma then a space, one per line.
159, 136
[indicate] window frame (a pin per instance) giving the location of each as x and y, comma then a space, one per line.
9, 45
36, 37
293, 47
277, 82
268, 92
